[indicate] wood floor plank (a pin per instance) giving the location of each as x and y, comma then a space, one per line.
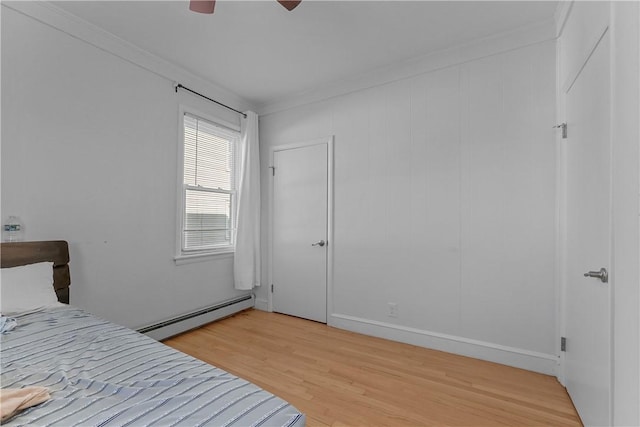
340, 378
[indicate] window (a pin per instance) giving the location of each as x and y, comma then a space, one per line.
208, 186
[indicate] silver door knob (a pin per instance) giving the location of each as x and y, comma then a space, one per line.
602, 274
320, 243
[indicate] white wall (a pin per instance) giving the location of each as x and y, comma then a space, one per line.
445, 203
89, 145
625, 22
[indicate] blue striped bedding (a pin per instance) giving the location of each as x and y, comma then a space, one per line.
101, 374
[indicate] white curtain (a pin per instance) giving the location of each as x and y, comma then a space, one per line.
246, 262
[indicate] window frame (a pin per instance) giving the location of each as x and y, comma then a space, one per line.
186, 256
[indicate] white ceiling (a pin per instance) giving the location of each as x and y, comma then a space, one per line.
263, 53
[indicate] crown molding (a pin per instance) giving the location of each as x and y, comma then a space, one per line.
59, 19
484, 47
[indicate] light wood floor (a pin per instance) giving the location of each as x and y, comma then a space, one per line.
339, 378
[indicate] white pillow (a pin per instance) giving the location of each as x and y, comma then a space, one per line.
27, 288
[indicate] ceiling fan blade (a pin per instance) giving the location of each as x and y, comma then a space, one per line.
289, 4
202, 6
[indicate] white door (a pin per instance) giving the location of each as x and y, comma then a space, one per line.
588, 315
300, 230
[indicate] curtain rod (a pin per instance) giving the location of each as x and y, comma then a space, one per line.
179, 86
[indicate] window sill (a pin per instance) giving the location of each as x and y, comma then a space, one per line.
202, 257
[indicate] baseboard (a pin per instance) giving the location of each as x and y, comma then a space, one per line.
510, 356
180, 324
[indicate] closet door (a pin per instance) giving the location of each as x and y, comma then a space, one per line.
588, 300
300, 231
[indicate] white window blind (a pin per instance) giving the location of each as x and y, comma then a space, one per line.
209, 185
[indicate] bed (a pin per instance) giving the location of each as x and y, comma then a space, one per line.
102, 374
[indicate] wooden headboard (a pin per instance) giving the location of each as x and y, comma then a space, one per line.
57, 251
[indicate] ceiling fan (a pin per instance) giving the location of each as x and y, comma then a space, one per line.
207, 6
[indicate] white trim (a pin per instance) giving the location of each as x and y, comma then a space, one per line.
330, 235
55, 17
293, 145
199, 114
201, 257
270, 235
562, 15
177, 250
561, 237
329, 141
511, 356
610, 28
481, 48
572, 77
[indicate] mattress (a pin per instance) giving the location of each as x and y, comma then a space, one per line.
101, 374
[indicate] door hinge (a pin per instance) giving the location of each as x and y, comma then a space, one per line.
272, 288
563, 344
562, 126
273, 170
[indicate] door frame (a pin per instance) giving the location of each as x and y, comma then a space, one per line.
562, 89
328, 141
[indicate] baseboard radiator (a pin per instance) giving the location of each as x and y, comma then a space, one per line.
186, 322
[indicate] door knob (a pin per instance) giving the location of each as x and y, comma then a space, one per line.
320, 243
602, 274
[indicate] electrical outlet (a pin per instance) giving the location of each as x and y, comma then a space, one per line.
393, 309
